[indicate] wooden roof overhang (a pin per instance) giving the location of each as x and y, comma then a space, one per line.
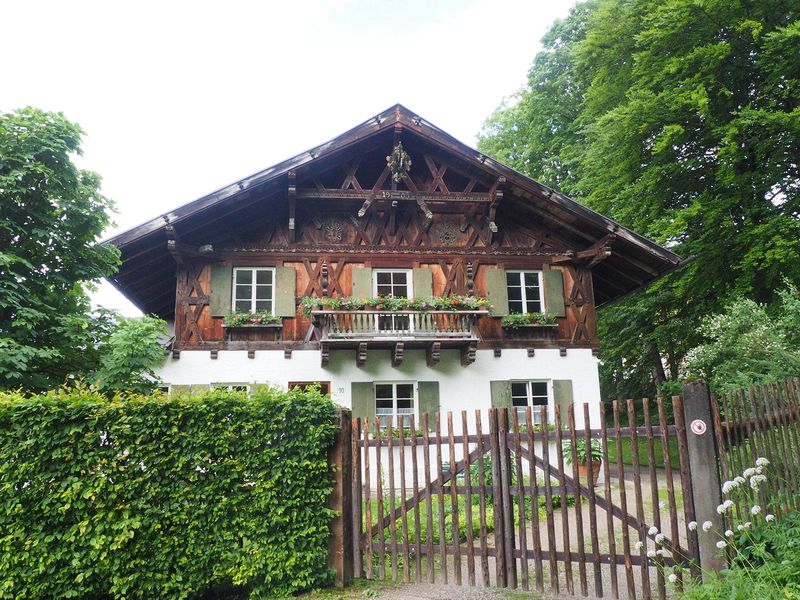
623, 260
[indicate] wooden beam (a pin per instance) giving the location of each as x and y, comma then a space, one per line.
361, 354
433, 354
399, 195
292, 195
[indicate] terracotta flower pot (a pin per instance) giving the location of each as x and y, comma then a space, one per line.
583, 471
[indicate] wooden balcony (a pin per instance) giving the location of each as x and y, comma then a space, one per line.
398, 331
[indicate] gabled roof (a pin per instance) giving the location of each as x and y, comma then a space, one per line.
635, 260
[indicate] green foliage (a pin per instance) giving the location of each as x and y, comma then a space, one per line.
132, 352
51, 215
585, 452
767, 565
156, 497
390, 303
680, 120
516, 320
242, 318
748, 344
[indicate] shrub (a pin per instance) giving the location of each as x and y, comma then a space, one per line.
157, 497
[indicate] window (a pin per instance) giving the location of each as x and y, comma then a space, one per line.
529, 393
395, 283
524, 291
392, 282
233, 387
253, 289
324, 386
395, 400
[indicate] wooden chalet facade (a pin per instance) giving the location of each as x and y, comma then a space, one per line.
336, 222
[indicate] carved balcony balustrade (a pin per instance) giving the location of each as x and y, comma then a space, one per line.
398, 330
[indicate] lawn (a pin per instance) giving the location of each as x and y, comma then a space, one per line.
643, 456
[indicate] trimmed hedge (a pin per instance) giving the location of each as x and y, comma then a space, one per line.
153, 497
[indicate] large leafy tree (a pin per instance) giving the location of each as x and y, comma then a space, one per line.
51, 216
680, 119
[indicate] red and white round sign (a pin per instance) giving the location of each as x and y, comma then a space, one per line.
698, 427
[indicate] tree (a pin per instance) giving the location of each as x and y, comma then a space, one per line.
128, 358
51, 216
681, 120
749, 344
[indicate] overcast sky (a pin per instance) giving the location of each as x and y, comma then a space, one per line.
178, 99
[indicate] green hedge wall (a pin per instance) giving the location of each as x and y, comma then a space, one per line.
154, 497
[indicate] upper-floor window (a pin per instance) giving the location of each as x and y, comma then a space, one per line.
253, 289
529, 393
524, 291
392, 282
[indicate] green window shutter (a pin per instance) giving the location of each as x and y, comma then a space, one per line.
221, 299
562, 395
554, 292
362, 282
428, 392
180, 390
285, 292
501, 394
497, 292
363, 400
423, 283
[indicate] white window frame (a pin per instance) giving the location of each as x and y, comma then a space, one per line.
536, 409
521, 273
395, 322
396, 416
409, 280
253, 271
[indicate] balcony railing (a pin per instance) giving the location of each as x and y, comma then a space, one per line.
373, 325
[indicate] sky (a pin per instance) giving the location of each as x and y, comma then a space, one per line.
178, 99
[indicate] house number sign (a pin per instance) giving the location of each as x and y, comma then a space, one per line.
698, 427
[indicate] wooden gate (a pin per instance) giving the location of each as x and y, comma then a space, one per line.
493, 499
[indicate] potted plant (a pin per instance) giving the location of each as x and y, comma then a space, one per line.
588, 455
531, 319
259, 318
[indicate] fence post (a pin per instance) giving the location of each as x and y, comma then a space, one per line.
340, 547
704, 465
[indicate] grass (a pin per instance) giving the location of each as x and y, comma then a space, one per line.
627, 454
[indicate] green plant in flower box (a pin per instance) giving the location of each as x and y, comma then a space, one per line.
241, 318
515, 320
391, 303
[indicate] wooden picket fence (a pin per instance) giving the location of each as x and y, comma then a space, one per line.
489, 502
762, 421
489, 498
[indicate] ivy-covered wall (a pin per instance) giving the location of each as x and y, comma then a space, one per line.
156, 497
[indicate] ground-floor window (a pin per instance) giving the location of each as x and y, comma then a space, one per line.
234, 387
324, 386
529, 393
395, 400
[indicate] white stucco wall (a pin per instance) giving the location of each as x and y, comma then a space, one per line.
460, 388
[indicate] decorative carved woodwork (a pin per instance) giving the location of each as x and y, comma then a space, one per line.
468, 354
324, 279
214, 354
433, 354
287, 353
292, 198
324, 353
531, 352
397, 354
578, 300
361, 355
251, 354
191, 300
470, 279
562, 351
176, 354
498, 352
